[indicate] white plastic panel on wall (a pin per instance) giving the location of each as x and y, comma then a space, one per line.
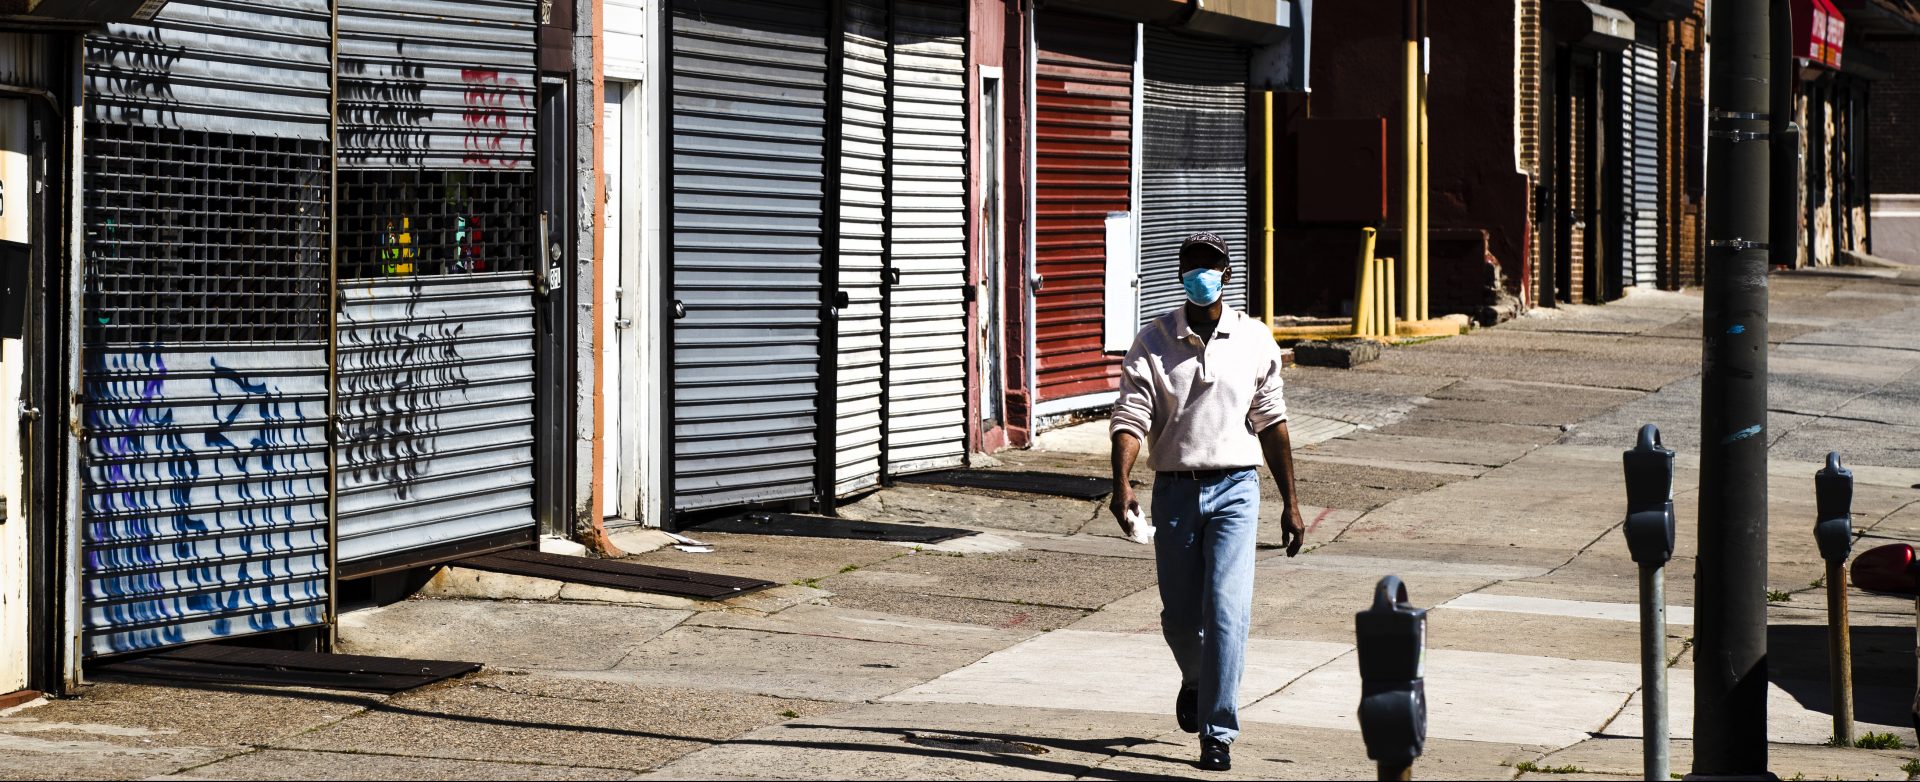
624, 44
435, 395
204, 488
1194, 175
1121, 321
436, 84
863, 161
927, 237
258, 68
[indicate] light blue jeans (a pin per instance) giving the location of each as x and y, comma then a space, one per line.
1203, 546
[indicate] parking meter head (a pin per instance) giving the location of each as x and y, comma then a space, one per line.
1391, 636
1833, 526
1393, 722
1650, 522
1391, 641
1889, 569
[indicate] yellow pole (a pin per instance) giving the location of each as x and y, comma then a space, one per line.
1363, 286
1387, 287
1426, 244
1266, 200
1410, 152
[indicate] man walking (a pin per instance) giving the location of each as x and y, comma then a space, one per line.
1202, 388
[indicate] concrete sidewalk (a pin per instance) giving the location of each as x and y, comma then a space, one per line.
1484, 470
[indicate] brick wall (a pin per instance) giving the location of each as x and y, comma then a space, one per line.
1683, 183
1529, 142
1894, 132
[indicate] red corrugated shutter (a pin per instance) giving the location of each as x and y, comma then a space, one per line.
1084, 86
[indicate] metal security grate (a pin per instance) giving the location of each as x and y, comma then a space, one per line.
203, 237
397, 223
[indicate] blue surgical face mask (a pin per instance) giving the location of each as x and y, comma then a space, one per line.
1203, 286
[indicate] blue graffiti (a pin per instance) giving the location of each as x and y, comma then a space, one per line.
186, 542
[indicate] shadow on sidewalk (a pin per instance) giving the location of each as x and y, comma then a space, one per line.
1109, 748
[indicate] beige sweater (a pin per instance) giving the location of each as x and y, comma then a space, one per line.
1199, 405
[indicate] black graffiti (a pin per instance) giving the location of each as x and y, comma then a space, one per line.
403, 376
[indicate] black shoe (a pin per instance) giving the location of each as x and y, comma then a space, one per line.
1215, 755
1186, 709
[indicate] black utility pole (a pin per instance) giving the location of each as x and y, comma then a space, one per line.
1730, 668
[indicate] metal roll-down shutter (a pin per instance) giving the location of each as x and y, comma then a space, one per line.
1194, 175
436, 313
927, 237
204, 397
863, 202
1084, 153
749, 189
1644, 60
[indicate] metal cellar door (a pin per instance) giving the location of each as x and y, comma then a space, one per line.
437, 263
863, 204
927, 237
1644, 60
1195, 167
1084, 155
748, 240
204, 399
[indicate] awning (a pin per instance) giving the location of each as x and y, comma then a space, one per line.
1582, 23
1248, 21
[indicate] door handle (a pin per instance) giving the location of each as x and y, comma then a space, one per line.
679, 309
1039, 281
29, 414
623, 323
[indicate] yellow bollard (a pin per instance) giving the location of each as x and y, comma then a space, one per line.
1386, 285
1363, 286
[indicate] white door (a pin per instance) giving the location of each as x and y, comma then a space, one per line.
614, 166
16, 185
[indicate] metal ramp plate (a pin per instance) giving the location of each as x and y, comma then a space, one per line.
801, 525
614, 574
217, 664
1079, 487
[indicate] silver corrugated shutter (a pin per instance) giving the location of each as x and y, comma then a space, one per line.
436, 412
749, 203
1644, 61
257, 68
205, 488
437, 84
1195, 167
927, 237
204, 403
863, 197
435, 333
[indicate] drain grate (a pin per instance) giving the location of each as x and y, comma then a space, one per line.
987, 744
1079, 487
218, 664
614, 574
800, 525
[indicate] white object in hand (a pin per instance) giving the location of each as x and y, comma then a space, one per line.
1140, 531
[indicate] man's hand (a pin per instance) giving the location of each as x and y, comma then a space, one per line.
1123, 502
1277, 445
1293, 531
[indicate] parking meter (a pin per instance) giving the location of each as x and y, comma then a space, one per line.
1649, 526
1391, 639
1833, 526
1649, 531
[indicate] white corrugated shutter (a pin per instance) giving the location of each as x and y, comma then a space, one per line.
927, 237
863, 196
